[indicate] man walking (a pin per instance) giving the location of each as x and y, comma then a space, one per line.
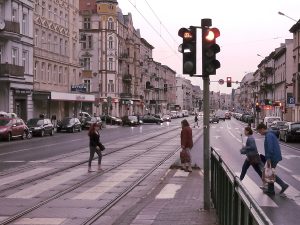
272, 155
196, 120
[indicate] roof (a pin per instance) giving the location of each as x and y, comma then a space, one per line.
109, 1
295, 27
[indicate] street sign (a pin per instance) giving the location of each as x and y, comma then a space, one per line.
290, 101
221, 81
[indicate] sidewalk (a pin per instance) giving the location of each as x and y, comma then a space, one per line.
177, 201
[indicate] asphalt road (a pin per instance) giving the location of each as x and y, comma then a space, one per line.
281, 209
19, 152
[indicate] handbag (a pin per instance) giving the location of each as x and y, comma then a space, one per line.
101, 146
269, 173
254, 159
184, 157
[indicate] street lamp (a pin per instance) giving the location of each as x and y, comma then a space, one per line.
282, 14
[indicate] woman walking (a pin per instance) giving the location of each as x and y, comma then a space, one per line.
253, 158
186, 145
94, 145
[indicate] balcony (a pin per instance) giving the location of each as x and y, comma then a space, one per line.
11, 30
11, 70
127, 78
125, 95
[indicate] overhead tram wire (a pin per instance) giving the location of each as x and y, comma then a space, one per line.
161, 23
153, 28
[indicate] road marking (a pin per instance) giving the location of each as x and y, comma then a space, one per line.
290, 156
39, 221
181, 173
261, 198
284, 168
47, 185
13, 161
291, 193
104, 186
168, 192
23, 175
297, 177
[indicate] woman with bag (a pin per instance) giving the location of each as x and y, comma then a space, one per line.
253, 158
95, 145
186, 138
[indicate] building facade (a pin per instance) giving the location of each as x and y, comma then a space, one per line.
16, 57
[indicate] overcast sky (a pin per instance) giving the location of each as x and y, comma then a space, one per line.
247, 28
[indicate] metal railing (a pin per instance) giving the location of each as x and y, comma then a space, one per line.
233, 203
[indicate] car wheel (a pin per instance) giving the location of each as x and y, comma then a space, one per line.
24, 135
79, 129
28, 135
73, 129
42, 133
285, 138
51, 132
9, 137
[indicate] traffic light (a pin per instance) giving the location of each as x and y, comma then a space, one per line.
268, 102
209, 51
188, 48
257, 107
228, 81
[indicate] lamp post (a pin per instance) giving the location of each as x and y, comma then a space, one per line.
282, 14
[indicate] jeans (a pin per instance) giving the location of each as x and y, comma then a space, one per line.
257, 167
92, 153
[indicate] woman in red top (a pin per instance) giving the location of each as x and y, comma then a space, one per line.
186, 145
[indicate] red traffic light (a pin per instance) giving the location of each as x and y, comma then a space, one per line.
228, 81
212, 34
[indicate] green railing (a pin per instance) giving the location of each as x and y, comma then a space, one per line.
233, 203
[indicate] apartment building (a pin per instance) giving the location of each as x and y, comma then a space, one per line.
16, 57
57, 77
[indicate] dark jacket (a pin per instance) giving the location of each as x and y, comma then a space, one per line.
250, 148
94, 140
272, 148
186, 137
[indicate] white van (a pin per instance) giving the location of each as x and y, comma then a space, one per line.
185, 113
268, 120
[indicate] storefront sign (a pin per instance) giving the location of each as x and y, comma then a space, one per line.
72, 97
22, 92
78, 87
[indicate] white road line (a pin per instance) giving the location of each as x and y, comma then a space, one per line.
290, 156
297, 177
39, 221
291, 193
261, 198
181, 173
168, 192
105, 186
23, 175
284, 168
39, 147
47, 185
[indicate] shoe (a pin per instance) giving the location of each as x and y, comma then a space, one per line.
269, 192
284, 188
99, 168
90, 169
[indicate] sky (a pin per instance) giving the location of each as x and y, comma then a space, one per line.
248, 29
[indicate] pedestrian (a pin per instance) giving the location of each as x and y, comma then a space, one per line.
186, 138
196, 121
253, 158
273, 156
95, 145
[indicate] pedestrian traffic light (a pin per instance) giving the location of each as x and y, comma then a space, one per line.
209, 51
228, 81
188, 48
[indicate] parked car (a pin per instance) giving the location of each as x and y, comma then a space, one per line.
268, 120
290, 131
214, 119
111, 120
89, 121
276, 126
69, 124
40, 127
13, 128
166, 118
152, 119
130, 121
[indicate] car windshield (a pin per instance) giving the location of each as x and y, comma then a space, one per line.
295, 126
35, 122
4, 122
280, 123
271, 120
66, 120
133, 118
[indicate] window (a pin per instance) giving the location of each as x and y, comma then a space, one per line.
44, 9
49, 72
43, 39
66, 19
66, 47
36, 38
61, 18
110, 86
35, 72
15, 56
25, 24
86, 41
25, 61
86, 63
55, 44
74, 50
49, 42
55, 73
43, 71
110, 42
110, 24
65, 75
60, 78
86, 23
50, 12
110, 63
61, 46
14, 15
55, 15
87, 84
